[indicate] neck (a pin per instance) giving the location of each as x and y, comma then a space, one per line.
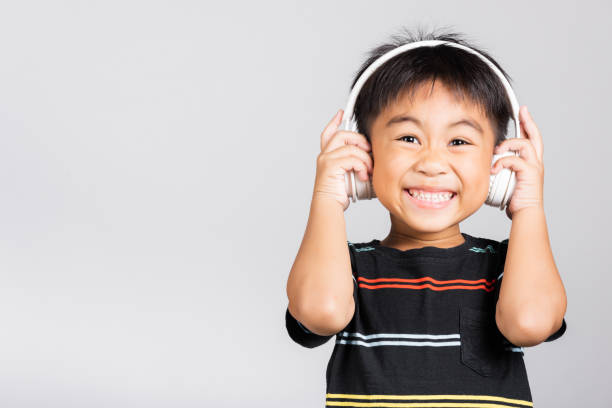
406, 238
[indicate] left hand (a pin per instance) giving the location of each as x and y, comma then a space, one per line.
528, 167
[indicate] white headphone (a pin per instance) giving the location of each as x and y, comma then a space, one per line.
501, 184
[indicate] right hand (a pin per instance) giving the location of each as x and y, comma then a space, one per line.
341, 151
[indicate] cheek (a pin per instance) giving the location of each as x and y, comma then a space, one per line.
386, 173
480, 182
476, 175
389, 168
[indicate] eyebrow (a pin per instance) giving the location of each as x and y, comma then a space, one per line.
408, 118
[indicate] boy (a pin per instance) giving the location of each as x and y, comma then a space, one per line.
423, 317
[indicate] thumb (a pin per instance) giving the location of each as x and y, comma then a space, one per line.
331, 128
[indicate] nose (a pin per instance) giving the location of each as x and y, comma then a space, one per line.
431, 162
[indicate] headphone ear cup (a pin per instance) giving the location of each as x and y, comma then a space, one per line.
492, 197
501, 185
365, 189
358, 189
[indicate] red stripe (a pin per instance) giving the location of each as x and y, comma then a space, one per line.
425, 286
427, 278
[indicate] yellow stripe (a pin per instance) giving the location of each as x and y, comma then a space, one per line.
422, 397
414, 404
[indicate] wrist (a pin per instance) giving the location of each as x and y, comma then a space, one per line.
528, 211
326, 199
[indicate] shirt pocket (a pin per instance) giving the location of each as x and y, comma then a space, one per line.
482, 344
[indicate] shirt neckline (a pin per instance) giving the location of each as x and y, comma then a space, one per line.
426, 251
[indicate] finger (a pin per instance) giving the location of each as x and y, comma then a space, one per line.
365, 157
352, 150
514, 163
356, 164
530, 130
523, 146
346, 137
331, 128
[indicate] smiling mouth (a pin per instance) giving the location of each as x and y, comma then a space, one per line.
430, 200
431, 196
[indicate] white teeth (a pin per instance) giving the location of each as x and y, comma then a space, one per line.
435, 197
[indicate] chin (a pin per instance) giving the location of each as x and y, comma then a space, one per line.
422, 225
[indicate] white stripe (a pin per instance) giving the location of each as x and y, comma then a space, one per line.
500, 275
412, 343
401, 335
399, 343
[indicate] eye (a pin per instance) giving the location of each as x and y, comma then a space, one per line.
460, 140
403, 137
463, 142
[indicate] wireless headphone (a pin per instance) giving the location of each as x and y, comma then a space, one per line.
501, 184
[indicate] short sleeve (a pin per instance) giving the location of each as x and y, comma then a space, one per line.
501, 252
500, 261
301, 335
559, 332
304, 337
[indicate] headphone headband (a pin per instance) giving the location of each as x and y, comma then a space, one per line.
349, 124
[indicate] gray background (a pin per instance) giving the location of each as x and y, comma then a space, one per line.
157, 161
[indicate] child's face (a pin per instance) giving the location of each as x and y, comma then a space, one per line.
407, 154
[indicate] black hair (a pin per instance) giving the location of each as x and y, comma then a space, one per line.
462, 72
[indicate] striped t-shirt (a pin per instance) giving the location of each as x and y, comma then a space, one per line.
424, 332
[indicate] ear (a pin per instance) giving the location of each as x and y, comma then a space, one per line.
371, 152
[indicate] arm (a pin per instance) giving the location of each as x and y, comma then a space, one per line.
320, 284
532, 300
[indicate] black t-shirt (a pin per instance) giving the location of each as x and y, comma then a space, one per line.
424, 330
